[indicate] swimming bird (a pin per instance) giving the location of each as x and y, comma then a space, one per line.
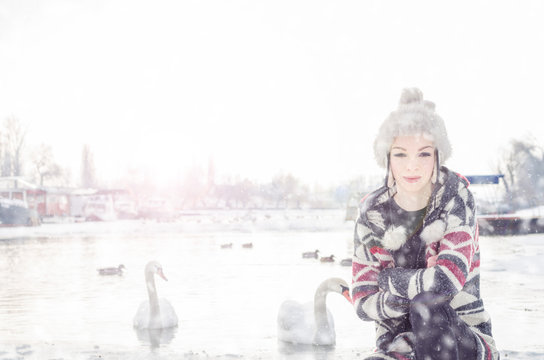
327, 258
247, 246
226, 246
310, 254
154, 313
112, 270
346, 262
311, 323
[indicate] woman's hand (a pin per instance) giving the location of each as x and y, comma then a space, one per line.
432, 261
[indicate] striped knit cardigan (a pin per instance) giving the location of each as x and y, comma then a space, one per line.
382, 292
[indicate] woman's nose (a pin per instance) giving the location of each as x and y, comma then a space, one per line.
412, 164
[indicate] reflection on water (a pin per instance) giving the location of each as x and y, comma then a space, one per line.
156, 337
294, 351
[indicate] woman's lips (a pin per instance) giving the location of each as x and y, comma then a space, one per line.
412, 179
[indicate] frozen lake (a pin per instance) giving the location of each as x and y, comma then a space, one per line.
55, 305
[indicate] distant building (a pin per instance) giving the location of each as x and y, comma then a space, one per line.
18, 202
58, 202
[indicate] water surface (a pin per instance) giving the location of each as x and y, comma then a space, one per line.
54, 304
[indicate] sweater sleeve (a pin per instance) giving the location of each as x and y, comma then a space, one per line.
455, 255
369, 301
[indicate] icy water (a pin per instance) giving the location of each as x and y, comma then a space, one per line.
55, 305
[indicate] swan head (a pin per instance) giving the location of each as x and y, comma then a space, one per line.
154, 267
337, 285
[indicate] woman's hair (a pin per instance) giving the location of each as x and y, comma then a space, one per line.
414, 116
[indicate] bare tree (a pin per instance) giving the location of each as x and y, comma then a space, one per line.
88, 172
194, 187
44, 164
282, 189
12, 143
523, 167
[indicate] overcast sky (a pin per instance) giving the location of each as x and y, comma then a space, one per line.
266, 87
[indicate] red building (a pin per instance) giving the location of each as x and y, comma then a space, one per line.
47, 202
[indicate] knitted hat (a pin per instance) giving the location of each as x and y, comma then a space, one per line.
414, 116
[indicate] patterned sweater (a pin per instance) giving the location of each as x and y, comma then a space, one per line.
382, 290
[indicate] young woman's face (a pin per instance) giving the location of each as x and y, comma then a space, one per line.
412, 160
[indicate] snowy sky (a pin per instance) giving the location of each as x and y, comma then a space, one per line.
264, 87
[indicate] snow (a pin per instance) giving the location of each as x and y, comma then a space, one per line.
54, 304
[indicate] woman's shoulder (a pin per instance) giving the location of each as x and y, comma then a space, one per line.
374, 199
457, 179
452, 185
448, 176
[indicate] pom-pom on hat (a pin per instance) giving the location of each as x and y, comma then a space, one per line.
414, 116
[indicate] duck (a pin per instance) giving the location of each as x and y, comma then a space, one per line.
327, 258
247, 246
154, 313
311, 323
310, 254
226, 246
346, 262
112, 270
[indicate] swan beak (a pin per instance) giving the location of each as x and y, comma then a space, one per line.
161, 274
346, 295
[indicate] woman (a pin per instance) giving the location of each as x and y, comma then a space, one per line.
416, 261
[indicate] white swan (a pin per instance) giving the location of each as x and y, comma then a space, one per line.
154, 313
311, 323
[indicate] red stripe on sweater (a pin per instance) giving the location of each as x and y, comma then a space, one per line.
355, 268
368, 276
466, 251
364, 198
432, 249
384, 257
457, 237
460, 237
464, 178
474, 265
487, 348
371, 274
379, 250
400, 356
454, 269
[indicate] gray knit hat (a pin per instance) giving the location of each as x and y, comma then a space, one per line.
414, 116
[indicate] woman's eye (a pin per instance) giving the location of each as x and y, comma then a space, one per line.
399, 155
425, 154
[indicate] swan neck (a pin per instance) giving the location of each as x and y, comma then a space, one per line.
320, 306
152, 293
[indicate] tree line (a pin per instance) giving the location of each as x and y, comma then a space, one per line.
198, 188
521, 162
37, 163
